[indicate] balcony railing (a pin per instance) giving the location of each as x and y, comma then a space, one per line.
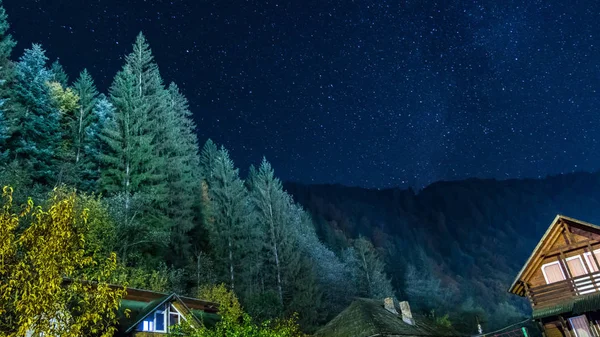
553, 293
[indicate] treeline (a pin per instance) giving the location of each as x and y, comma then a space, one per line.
453, 247
184, 217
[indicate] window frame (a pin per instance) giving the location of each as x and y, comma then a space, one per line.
590, 260
559, 267
583, 263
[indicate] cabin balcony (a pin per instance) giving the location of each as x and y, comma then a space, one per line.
564, 291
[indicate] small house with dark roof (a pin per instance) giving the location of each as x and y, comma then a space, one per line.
369, 318
561, 279
154, 313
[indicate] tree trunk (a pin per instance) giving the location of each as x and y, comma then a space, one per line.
231, 263
275, 253
79, 135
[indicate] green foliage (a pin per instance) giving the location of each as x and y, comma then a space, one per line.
41, 265
59, 75
236, 323
35, 134
227, 201
84, 129
371, 279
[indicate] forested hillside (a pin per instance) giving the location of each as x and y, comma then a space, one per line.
453, 244
178, 215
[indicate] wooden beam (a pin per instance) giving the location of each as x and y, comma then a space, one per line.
568, 232
565, 326
571, 247
536, 261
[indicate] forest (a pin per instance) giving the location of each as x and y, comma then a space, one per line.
180, 216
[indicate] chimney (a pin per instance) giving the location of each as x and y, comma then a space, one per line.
406, 313
388, 303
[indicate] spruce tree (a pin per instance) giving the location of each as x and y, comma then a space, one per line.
368, 268
6, 77
59, 75
271, 204
228, 210
35, 134
88, 96
94, 147
182, 174
132, 161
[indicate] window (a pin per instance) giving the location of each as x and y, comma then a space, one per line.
590, 260
580, 326
175, 317
576, 266
553, 272
155, 322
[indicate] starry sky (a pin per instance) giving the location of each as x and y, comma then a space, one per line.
367, 93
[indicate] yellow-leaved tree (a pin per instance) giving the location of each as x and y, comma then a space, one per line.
52, 283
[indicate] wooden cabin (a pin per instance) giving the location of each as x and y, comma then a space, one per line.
561, 279
153, 313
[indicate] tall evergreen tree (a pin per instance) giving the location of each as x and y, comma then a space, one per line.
88, 96
368, 269
271, 204
59, 74
6, 77
182, 173
132, 162
35, 133
94, 147
228, 203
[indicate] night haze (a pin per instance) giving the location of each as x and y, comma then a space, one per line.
373, 94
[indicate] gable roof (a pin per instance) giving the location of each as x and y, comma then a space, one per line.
368, 317
516, 287
150, 308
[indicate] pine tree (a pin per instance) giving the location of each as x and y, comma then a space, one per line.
88, 96
6, 78
182, 175
94, 147
271, 204
58, 74
132, 161
35, 134
368, 269
228, 208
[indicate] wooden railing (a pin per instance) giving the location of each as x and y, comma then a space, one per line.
553, 293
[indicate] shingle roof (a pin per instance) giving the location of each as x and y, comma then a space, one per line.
367, 318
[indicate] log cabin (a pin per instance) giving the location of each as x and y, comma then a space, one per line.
561, 279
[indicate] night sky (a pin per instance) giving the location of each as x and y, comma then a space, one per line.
368, 93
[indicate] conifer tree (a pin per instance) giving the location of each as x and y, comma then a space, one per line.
271, 204
368, 269
6, 77
182, 175
35, 135
132, 162
103, 114
59, 75
228, 209
88, 96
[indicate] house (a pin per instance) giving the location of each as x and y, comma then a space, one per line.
561, 279
153, 313
368, 317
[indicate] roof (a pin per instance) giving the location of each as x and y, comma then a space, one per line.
367, 318
142, 303
576, 305
553, 226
